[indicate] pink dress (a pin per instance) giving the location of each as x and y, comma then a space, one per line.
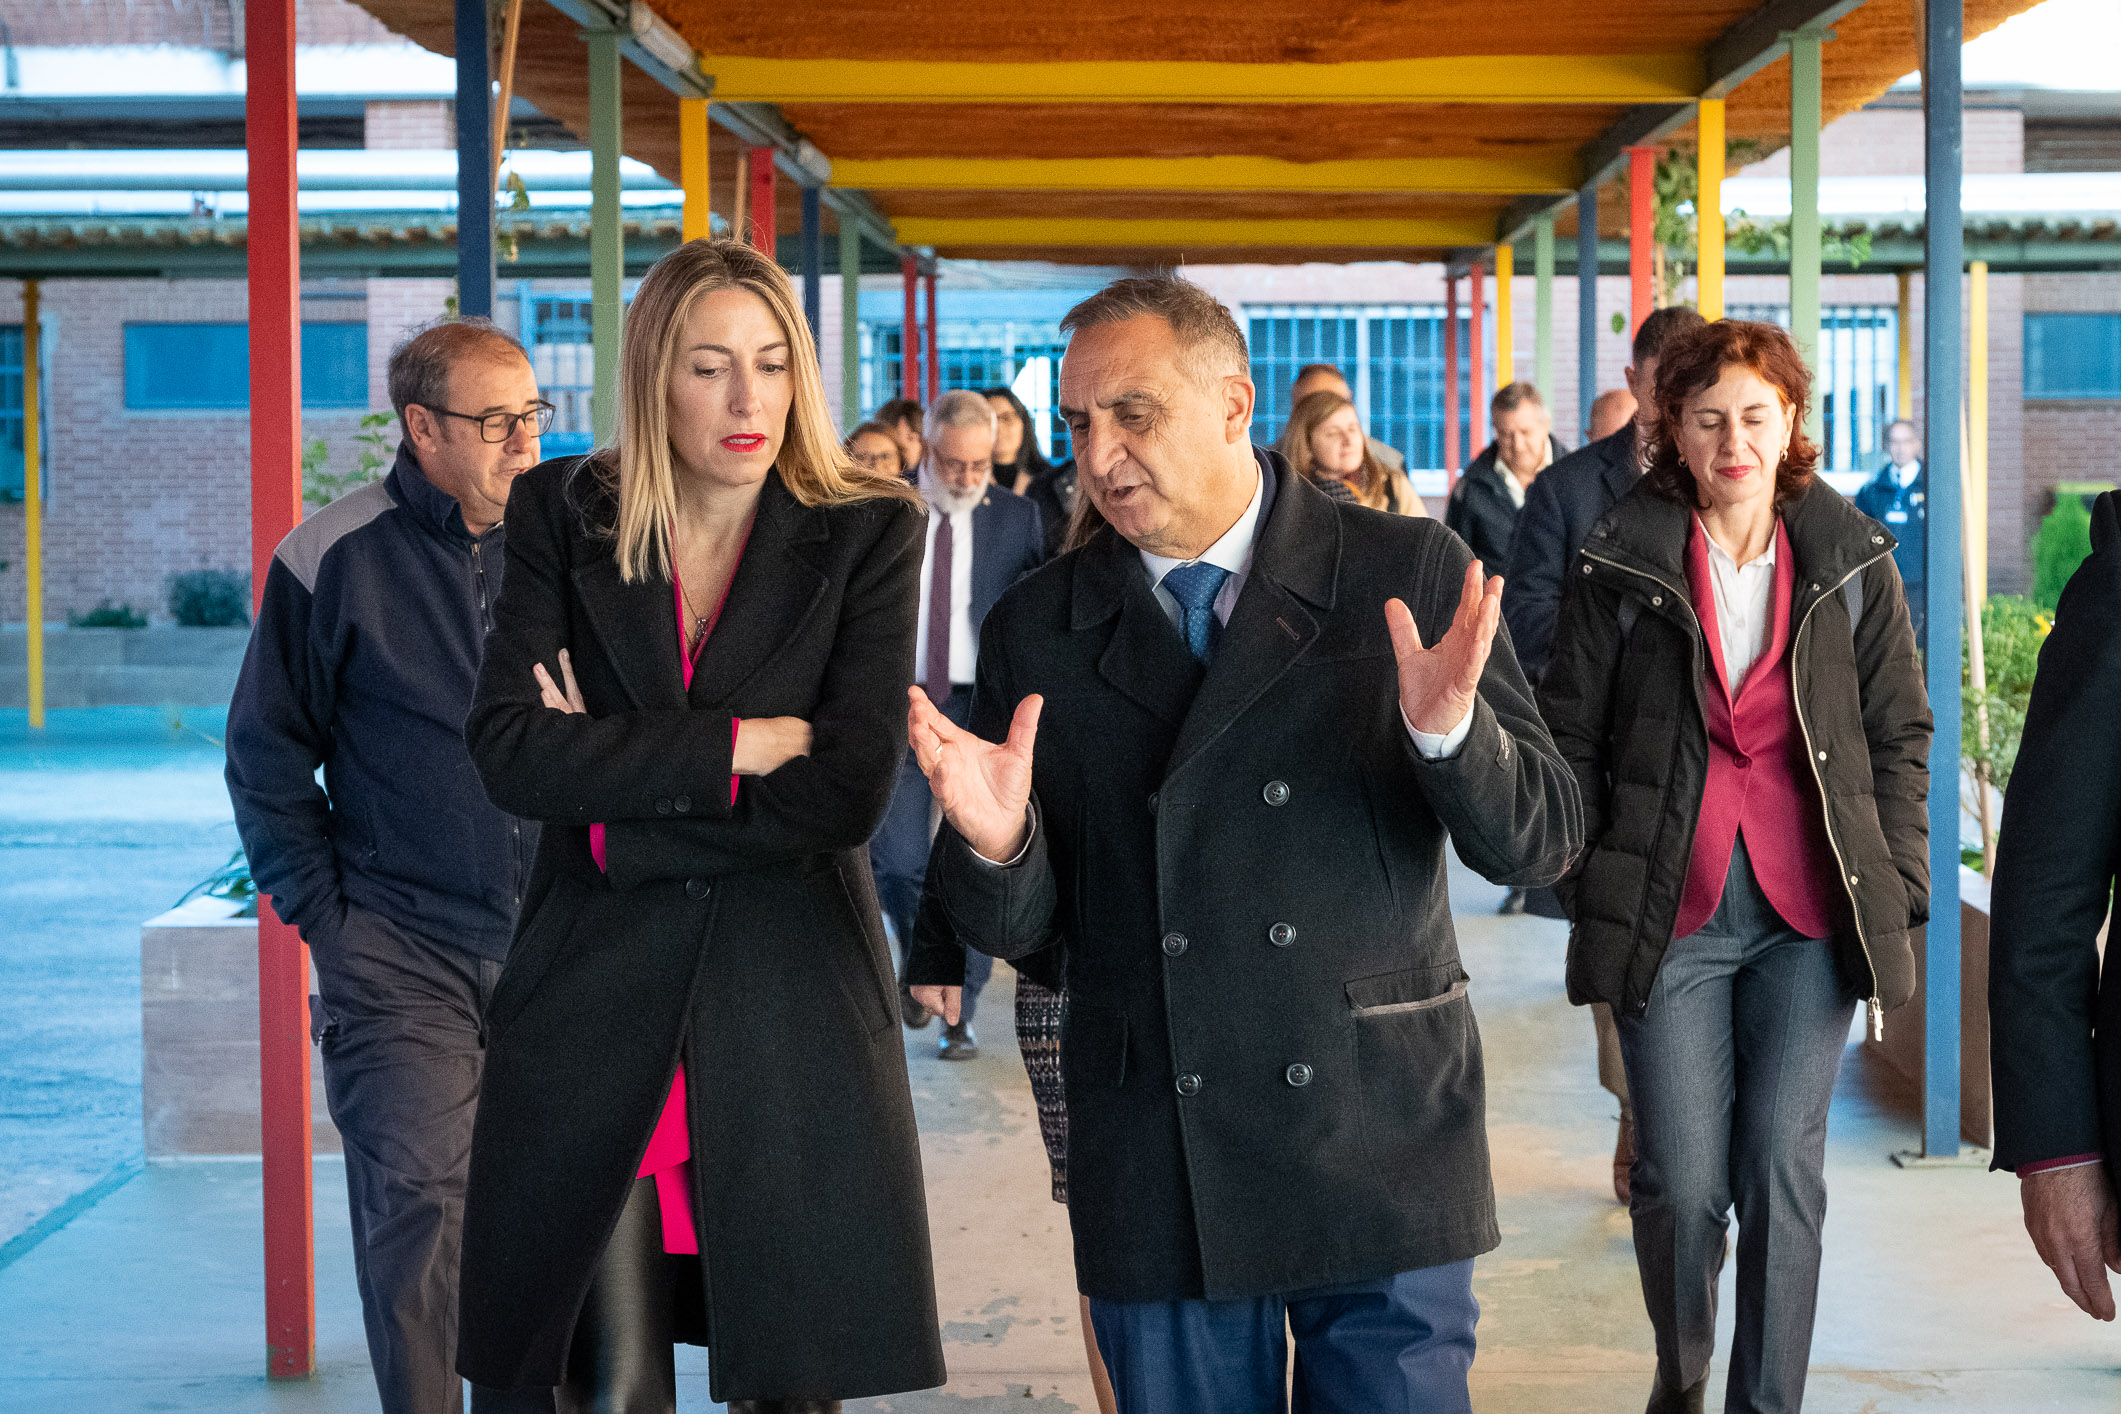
668, 1159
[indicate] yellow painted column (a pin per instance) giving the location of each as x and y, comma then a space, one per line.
1905, 407
693, 166
32, 505
1708, 209
1977, 430
1505, 345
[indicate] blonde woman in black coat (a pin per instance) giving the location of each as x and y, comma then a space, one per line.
695, 1124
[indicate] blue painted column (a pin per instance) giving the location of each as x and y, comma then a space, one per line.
475, 175
1586, 307
1943, 257
813, 262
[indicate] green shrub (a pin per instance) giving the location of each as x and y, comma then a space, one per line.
109, 615
2063, 542
209, 598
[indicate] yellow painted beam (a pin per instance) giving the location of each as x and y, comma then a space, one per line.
1118, 232
1553, 170
1458, 78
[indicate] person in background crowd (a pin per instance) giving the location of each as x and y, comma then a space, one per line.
901, 417
688, 680
1754, 864
1610, 411
981, 540
1896, 496
2054, 1050
1565, 502
1234, 1172
399, 873
1325, 378
1324, 444
872, 447
1484, 504
1022, 468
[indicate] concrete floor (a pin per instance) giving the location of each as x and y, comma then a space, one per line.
142, 1294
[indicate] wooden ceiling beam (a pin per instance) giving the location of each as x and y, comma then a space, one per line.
1549, 169
1469, 78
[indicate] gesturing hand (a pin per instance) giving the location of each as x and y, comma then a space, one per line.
984, 789
1437, 685
567, 701
2070, 1214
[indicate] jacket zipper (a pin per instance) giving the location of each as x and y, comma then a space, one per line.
1874, 1008
478, 574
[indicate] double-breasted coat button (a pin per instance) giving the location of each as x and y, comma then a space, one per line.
1154, 796
696, 888
1282, 934
1174, 944
1275, 793
1299, 1075
682, 804
662, 807
1189, 1084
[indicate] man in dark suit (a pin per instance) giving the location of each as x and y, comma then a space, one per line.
2054, 1047
1235, 820
1560, 509
981, 540
1485, 503
1895, 497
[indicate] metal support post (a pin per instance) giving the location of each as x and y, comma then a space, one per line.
909, 332
1476, 362
1976, 508
1642, 197
607, 236
33, 502
813, 262
1943, 259
765, 220
1805, 99
850, 324
1505, 315
1586, 308
475, 175
1708, 208
1450, 381
694, 168
275, 294
1543, 307
935, 349
1904, 316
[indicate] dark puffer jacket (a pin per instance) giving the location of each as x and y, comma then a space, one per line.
1623, 698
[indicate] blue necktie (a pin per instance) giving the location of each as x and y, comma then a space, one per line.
1195, 586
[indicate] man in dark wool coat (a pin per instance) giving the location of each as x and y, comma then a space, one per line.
1233, 824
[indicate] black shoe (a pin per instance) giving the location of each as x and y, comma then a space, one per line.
957, 1043
1512, 902
912, 1012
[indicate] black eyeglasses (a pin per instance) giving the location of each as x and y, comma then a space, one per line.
500, 426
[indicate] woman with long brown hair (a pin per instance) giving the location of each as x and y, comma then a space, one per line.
1324, 443
695, 1123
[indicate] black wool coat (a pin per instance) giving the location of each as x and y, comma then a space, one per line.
1273, 1074
743, 938
1480, 509
1561, 507
1624, 697
2054, 1010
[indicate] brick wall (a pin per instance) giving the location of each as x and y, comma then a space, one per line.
427, 125
2067, 440
1874, 142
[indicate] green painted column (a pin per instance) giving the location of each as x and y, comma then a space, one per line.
850, 325
1805, 67
607, 239
1543, 307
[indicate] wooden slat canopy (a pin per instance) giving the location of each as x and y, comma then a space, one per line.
1373, 130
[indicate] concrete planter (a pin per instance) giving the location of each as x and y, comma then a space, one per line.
1903, 1046
199, 1035
125, 667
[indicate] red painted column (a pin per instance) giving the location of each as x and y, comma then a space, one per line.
935, 354
1450, 381
1477, 389
275, 509
1642, 195
909, 332
765, 222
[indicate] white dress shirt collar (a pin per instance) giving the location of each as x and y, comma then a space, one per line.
1744, 597
1233, 552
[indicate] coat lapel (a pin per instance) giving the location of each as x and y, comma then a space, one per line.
1145, 660
638, 628
778, 584
1295, 558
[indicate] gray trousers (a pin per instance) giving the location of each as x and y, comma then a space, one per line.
401, 1024
1731, 1069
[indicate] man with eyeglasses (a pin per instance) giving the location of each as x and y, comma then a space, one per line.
981, 540
398, 871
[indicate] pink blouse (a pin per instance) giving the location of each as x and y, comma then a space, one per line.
668, 1159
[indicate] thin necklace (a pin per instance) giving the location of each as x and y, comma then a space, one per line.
699, 620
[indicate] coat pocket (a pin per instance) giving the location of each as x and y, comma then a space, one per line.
1094, 1045
531, 955
1423, 1096
1415, 989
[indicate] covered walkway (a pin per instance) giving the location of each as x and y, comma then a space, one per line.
1932, 1298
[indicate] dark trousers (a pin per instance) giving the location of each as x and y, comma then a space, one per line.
1731, 1070
401, 1025
898, 855
1398, 1345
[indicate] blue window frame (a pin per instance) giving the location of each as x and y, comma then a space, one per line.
2073, 355
11, 488
977, 354
1856, 382
556, 331
205, 367
1392, 357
